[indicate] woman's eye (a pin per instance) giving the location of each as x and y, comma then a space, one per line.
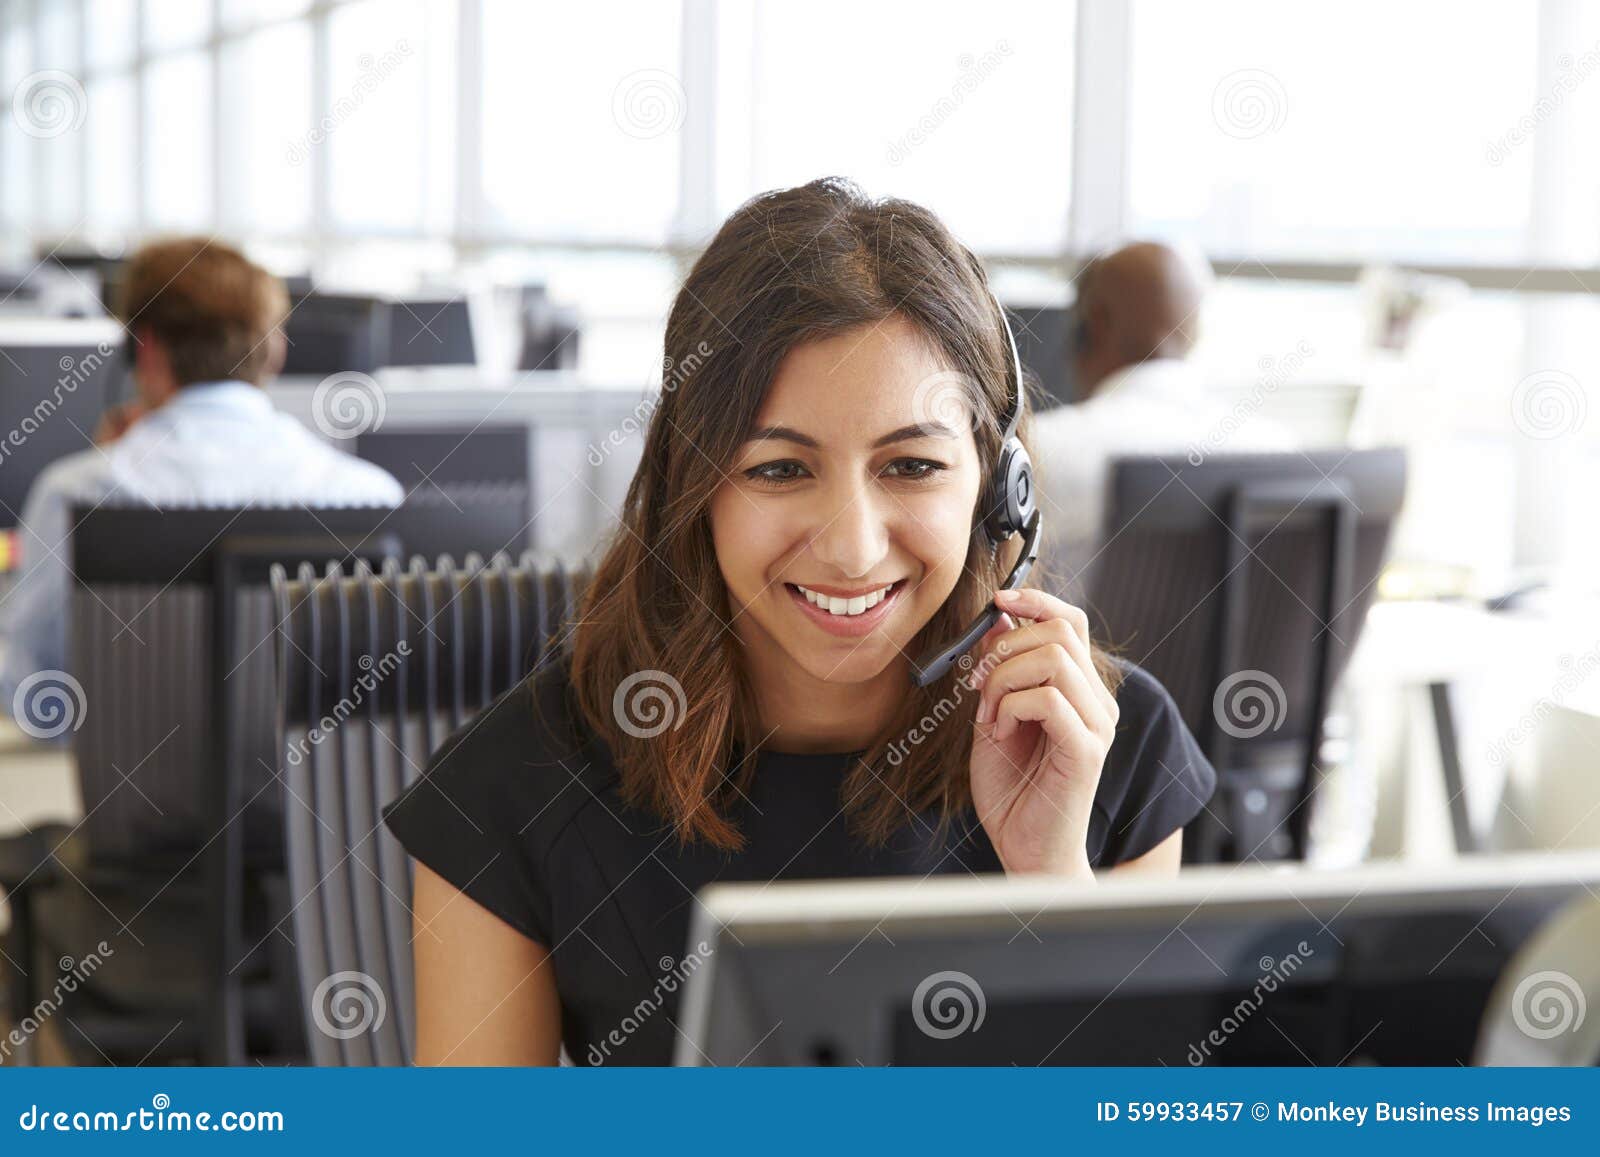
915, 469
775, 473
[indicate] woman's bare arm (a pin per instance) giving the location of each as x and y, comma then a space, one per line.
1162, 860
486, 994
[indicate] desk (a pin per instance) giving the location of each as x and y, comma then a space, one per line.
586, 435
37, 782
1515, 675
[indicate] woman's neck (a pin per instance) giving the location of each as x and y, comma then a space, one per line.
803, 714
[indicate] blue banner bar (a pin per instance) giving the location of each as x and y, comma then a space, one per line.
987, 1111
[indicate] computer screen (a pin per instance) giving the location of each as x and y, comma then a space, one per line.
1223, 965
436, 332
1041, 333
55, 381
336, 333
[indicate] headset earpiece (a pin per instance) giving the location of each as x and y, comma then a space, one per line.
1008, 494
1009, 507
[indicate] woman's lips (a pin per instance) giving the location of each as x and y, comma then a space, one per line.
847, 626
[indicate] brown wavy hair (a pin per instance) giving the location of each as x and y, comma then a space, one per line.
786, 268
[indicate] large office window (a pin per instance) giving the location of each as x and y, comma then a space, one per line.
1383, 132
583, 111
965, 107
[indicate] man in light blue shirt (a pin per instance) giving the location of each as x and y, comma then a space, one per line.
205, 324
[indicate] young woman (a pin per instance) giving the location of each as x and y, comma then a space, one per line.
735, 699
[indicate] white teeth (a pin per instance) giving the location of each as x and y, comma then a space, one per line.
855, 606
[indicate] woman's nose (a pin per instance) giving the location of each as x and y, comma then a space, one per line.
854, 535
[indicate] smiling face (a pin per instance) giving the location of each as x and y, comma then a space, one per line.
845, 521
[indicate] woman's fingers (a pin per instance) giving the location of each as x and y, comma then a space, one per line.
1056, 622
1047, 707
1045, 666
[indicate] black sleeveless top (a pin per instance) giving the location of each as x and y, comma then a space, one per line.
522, 812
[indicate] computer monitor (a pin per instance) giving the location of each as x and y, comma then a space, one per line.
1041, 333
424, 456
329, 333
56, 378
430, 332
1390, 964
446, 463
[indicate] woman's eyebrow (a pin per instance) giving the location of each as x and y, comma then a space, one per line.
903, 434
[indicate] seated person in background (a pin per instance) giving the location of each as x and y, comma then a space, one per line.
1136, 321
204, 322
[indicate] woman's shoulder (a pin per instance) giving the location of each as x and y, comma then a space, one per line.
1155, 778
514, 762
1140, 695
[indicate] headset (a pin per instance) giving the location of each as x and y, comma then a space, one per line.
1009, 507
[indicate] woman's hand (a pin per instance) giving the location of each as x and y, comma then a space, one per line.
1044, 724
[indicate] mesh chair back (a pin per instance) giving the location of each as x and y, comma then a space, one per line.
143, 655
1251, 576
374, 672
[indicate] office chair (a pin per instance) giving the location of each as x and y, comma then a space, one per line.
481, 460
1242, 584
468, 634
185, 861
